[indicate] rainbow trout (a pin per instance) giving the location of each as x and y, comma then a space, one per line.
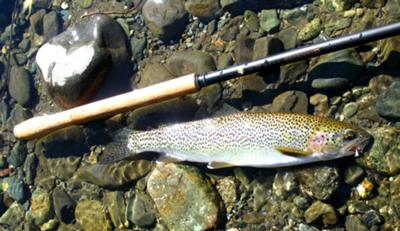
245, 139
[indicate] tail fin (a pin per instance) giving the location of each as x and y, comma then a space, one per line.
117, 150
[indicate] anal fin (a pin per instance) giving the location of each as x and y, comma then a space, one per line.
292, 151
218, 164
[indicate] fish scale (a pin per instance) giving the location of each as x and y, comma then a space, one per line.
257, 139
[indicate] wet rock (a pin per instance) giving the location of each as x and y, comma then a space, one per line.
384, 155
140, 210
224, 60
30, 166
353, 223
63, 167
321, 103
293, 101
18, 154
14, 187
166, 19
266, 46
18, 58
244, 49
350, 109
320, 210
82, 57
395, 194
52, 25
205, 10
228, 190
13, 216
17, 115
137, 47
20, 85
387, 104
310, 30
292, 72
371, 218
284, 184
337, 24
288, 37
380, 84
184, 198
336, 5
393, 8
251, 20
318, 182
36, 22
269, 20
63, 205
353, 175
115, 202
154, 72
91, 215
52, 224
4, 112
192, 61
113, 175
84, 3
230, 30
41, 207
336, 70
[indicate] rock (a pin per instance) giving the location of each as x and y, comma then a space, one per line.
63, 167
288, 37
30, 166
380, 84
91, 215
224, 60
293, 101
18, 154
115, 202
353, 223
52, 224
17, 115
230, 30
113, 175
353, 175
80, 61
166, 19
63, 205
141, 210
228, 190
205, 10
384, 155
284, 184
244, 49
266, 46
387, 103
191, 61
337, 24
321, 210
18, 58
392, 7
4, 112
292, 72
184, 198
336, 5
36, 21
310, 30
85, 4
336, 70
269, 20
251, 21
52, 25
319, 182
14, 187
137, 47
20, 85
390, 51
154, 72
350, 109
41, 207
371, 218
13, 216
395, 194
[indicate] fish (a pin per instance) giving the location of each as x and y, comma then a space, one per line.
251, 139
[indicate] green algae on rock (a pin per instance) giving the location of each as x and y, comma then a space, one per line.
13, 216
384, 155
116, 207
321, 210
113, 175
41, 207
91, 216
185, 198
14, 187
140, 209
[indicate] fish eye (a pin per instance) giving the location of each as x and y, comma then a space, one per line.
349, 135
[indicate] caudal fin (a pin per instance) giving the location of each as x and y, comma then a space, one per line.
117, 149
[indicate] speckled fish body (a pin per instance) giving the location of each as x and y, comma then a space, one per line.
252, 139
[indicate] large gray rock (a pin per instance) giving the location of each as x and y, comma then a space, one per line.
81, 58
388, 104
186, 62
52, 24
166, 18
20, 85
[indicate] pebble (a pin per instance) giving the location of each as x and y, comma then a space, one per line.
52, 25
310, 30
228, 190
191, 61
288, 37
13, 216
350, 109
290, 101
387, 103
365, 188
91, 216
354, 223
166, 19
30, 165
269, 20
185, 198
14, 187
20, 86
18, 154
140, 210
266, 46
291, 73
251, 20
63, 205
321, 210
353, 174
284, 184
116, 207
40, 210
114, 175
205, 10
321, 103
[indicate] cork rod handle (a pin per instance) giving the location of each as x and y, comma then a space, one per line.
42, 125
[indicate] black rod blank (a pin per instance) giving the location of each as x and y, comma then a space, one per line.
299, 54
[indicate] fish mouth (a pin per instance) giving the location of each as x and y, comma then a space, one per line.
359, 145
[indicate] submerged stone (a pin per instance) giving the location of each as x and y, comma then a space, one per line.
323, 211
269, 20
91, 216
290, 101
20, 86
81, 58
13, 215
113, 175
185, 198
388, 104
63, 205
191, 61
14, 187
205, 10
310, 30
41, 207
140, 210
18, 154
116, 207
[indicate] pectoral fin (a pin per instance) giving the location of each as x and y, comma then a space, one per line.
217, 165
292, 151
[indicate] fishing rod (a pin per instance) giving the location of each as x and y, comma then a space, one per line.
41, 125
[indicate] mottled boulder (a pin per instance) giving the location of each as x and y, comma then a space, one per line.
81, 58
185, 198
166, 19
